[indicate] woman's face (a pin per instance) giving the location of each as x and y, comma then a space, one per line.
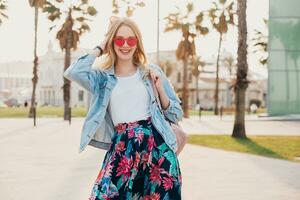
125, 52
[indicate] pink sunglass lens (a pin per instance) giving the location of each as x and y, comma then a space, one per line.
119, 41
132, 41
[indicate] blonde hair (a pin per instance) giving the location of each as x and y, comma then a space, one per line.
139, 56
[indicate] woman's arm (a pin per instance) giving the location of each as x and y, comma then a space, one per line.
169, 100
164, 99
81, 72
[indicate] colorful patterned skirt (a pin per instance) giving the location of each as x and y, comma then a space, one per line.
139, 166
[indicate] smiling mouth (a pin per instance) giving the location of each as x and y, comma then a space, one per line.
125, 51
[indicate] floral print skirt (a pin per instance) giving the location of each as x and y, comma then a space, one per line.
138, 165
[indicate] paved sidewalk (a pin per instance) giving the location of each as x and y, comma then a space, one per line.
43, 163
211, 174
255, 125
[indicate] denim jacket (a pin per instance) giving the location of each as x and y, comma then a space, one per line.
98, 128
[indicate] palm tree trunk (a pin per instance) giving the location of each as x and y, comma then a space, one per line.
239, 122
242, 82
216, 111
157, 41
67, 84
197, 89
35, 63
185, 89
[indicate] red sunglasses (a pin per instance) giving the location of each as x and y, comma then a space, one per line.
120, 41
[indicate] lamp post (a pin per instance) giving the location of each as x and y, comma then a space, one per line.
157, 44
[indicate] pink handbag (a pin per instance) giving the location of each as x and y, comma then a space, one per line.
181, 136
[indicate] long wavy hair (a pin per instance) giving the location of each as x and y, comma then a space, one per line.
139, 56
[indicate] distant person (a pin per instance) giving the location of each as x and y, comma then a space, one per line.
253, 108
25, 104
180, 100
200, 110
141, 160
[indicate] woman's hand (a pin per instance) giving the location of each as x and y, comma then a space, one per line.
103, 46
164, 99
157, 80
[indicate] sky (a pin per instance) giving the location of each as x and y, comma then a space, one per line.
17, 33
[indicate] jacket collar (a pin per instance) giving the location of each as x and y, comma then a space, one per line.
143, 72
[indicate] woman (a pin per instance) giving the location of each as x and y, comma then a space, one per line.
124, 119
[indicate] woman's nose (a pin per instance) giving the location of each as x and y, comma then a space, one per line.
125, 44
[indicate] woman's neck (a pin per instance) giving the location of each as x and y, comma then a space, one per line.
124, 68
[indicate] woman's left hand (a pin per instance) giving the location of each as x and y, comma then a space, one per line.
157, 80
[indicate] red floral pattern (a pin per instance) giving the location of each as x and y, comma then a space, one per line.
120, 147
120, 128
124, 167
153, 196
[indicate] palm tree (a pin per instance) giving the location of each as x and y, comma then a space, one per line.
229, 63
3, 8
130, 5
261, 44
221, 15
36, 4
69, 33
167, 67
241, 83
198, 65
186, 47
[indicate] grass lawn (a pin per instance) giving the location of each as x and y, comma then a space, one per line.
204, 112
41, 112
283, 147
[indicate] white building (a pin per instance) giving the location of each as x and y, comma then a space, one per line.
50, 83
15, 80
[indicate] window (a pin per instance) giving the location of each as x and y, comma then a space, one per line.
190, 77
53, 97
80, 95
179, 77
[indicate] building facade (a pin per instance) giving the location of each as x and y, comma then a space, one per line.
256, 91
284, 57
16, 83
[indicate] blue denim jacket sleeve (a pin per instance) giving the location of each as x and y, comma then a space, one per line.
82, 73
174, 111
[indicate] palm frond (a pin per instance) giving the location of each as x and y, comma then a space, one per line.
3, 8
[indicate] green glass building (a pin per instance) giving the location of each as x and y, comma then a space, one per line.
284, 57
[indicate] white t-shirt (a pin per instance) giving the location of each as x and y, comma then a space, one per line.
129, 100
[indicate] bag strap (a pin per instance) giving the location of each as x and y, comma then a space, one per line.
155, 94
157, 98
